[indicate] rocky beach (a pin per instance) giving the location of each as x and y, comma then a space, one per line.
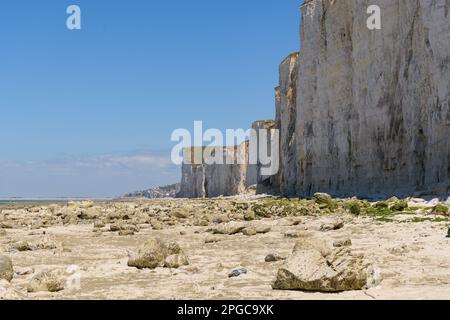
246, 247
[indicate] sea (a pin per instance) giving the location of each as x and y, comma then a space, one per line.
58, 200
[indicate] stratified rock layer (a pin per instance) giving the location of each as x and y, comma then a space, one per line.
202, 178
361, 112
314, 267
286, 112
205, 177
373, 106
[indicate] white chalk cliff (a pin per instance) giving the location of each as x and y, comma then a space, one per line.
373, 106
366, 112
201, 178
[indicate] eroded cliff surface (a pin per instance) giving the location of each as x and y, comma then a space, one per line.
361, 112
202, 178
286, 114
373, 105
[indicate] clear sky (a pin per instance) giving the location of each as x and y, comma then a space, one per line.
90, 112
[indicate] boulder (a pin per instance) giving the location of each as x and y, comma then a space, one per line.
336, 225
156, 225
249, 216
126, 233
175, 261
220, 218
354, 207
122, 227
6, 268
201, 222
180, 214
313, 267
45, 243
46, 281
295, 234
399, 206
88, 214
153, 254
21, 246
214, 238
273, 257
308, 243
249, 231
229, 228
37, 224
322, 198
262, 229
173, 248
342, 243
6, 225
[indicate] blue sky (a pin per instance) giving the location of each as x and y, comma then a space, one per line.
90, 112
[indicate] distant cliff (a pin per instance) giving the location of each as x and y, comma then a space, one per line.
202, 180
365, 112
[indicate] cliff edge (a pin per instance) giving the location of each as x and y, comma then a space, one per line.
366, 112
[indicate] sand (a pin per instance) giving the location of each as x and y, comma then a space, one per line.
412, 258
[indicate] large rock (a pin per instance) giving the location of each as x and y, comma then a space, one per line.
21, 246
153, 254
150, 255
314, 267
175, 261
123, 227
6, 268
46, 281
273, 257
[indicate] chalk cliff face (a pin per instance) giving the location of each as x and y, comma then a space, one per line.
264, 183
203, 179
360, 112
227, 180
286, 112
373, 106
